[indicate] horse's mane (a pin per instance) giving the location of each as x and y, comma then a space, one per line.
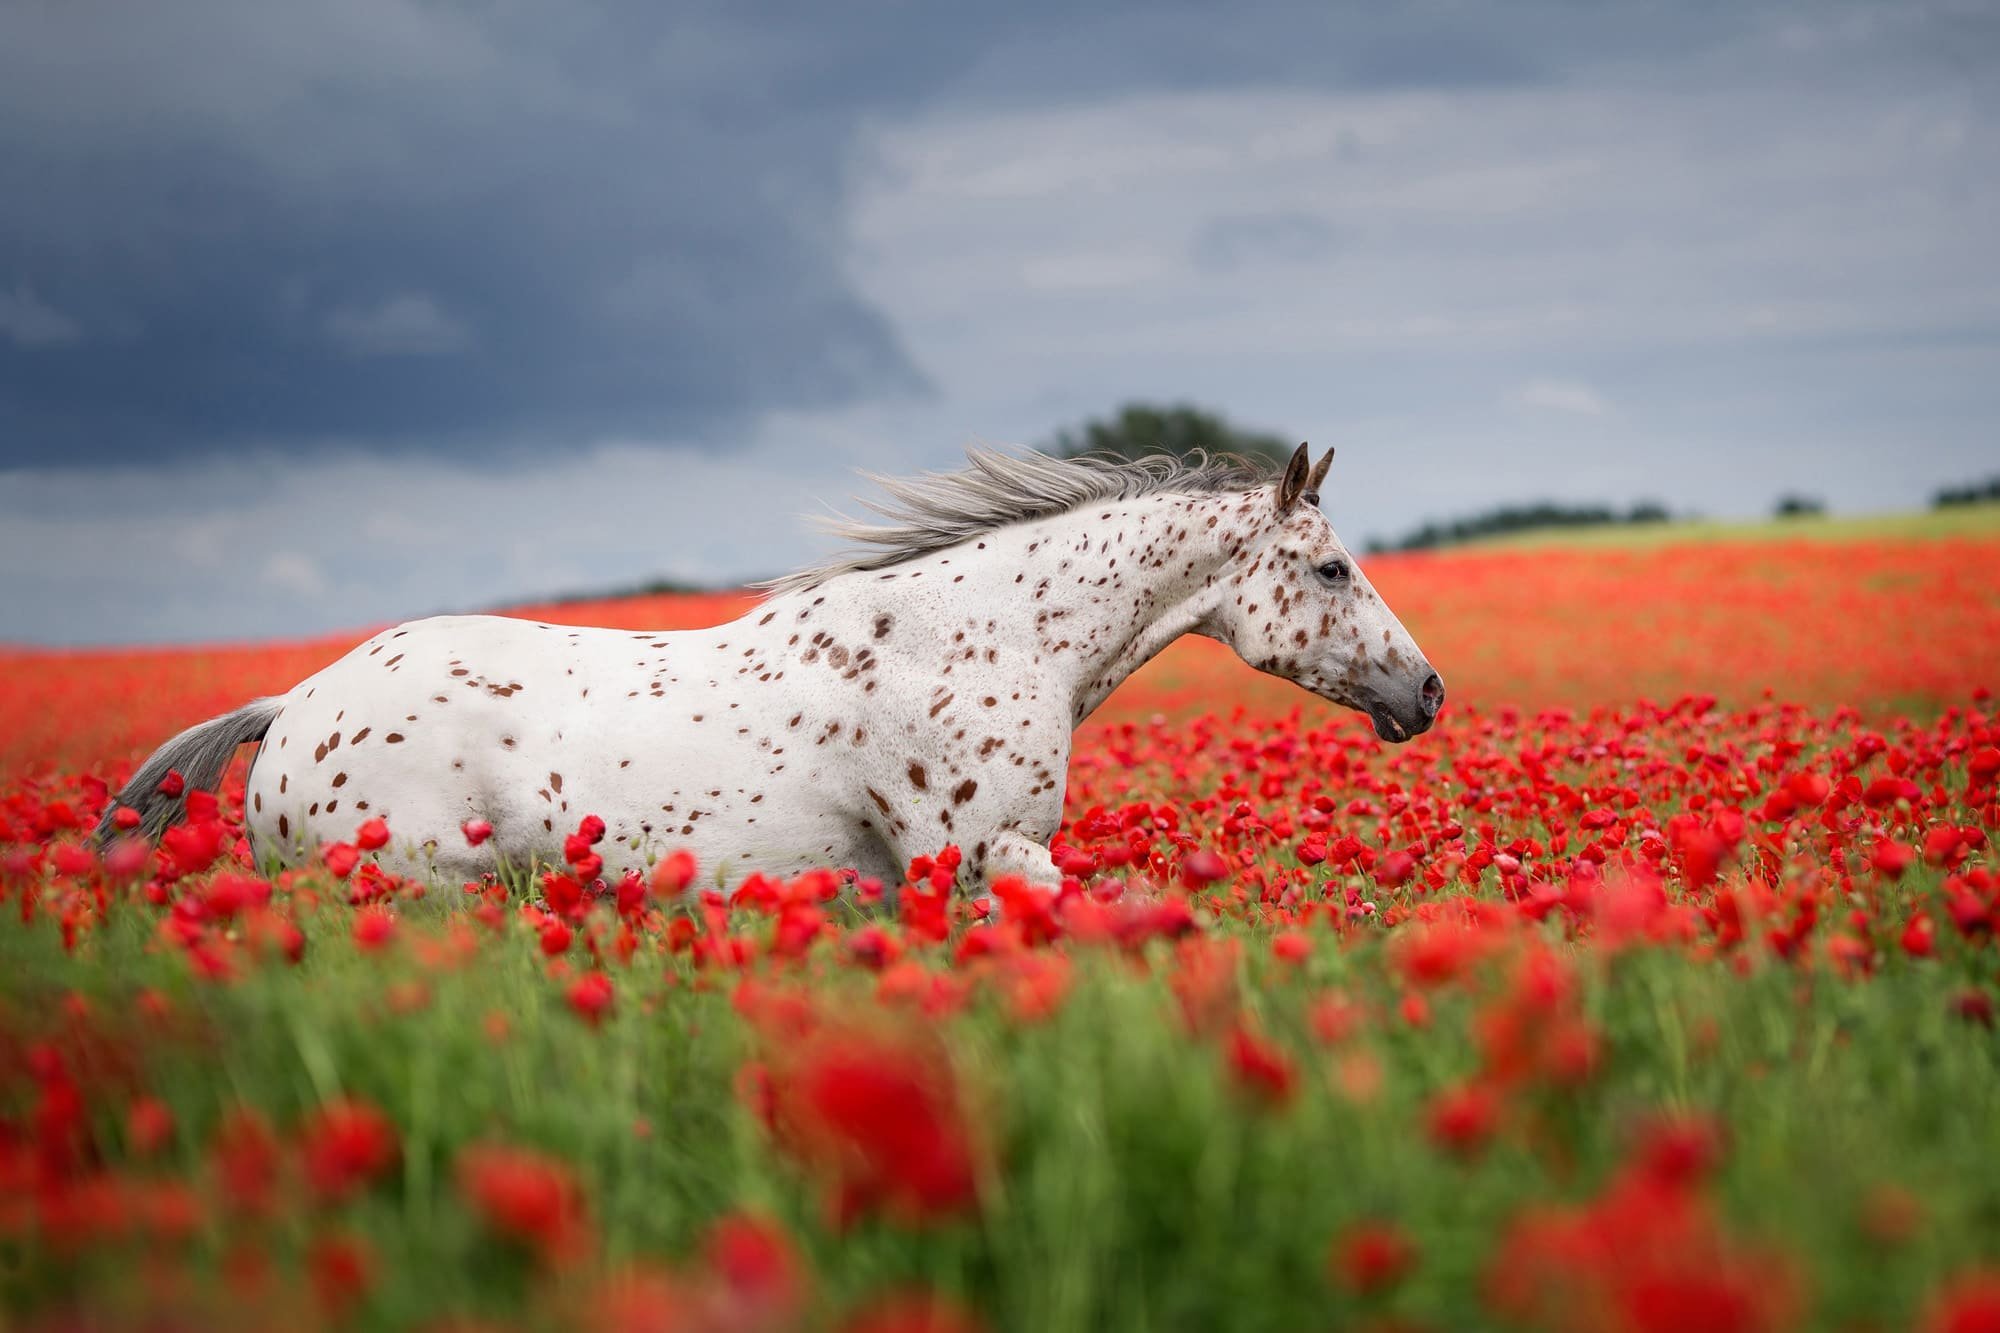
935, 510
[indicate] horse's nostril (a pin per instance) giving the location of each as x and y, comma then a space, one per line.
1433, 695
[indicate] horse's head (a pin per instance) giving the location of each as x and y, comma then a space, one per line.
1295, 604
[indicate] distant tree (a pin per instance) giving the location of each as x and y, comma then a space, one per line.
1144, 428
1798, 506
655, 587
1521, 518
1973, 493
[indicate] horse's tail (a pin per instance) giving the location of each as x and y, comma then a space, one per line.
199, 755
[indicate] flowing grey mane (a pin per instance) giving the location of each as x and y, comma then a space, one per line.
935, 510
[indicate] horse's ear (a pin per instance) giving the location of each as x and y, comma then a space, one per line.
1318, 477
1293, 484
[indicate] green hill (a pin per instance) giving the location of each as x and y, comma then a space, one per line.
1958, 521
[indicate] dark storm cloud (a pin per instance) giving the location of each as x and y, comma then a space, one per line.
442, 226
277, 282
380, 223
394, 225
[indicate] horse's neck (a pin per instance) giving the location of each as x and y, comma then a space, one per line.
1104, 589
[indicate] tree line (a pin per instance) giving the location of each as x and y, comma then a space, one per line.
1975, 493
1144, 428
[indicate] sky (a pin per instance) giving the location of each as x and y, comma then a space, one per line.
324, 315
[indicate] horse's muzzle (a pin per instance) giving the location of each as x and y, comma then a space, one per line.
1398, 719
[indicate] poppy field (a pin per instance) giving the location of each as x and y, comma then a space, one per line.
1653, 989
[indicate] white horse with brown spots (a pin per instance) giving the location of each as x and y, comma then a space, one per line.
881, 706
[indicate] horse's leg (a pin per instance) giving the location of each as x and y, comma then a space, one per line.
879, 862
1015, 853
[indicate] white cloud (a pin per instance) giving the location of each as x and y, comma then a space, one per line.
1090, 271
411, 324
1579, 213
202, 543
1558, 396
290, 572
1802, 301
29, 321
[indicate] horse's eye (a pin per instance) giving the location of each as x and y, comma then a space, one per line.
1334, 571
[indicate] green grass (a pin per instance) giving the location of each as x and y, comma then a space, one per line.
1929, 525
1133, 1187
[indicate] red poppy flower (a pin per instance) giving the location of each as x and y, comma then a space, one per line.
1891, 859
878, 1114
1203, 868
346, 1145
374, 927
1969, 1303
1370, 1257
1261, 1067
149, 1124
340, 858
674, 873
247, 1161
528, 1198
1461, 1120
759, 1270
342, 1269
590, 997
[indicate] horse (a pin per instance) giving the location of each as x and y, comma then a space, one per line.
918, 690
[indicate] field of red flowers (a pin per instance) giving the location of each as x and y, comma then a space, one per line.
1653, 990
